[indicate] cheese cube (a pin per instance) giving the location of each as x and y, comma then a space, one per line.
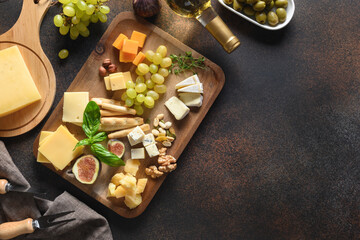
127, 76
107, 83
195, 88
139, 37
74, 106
18, 89
148, 139
128, 182
43, 136
58, 148
126, 57
130, 47
136, 136
120, 192
117, 82
152, 150
137, 153
117, 178
111, 190
177, 108
132, 166
194, 79
141, 184
133, 201
119, 41
191, 99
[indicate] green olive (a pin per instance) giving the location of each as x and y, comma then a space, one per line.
259, 6
249, 11
281, 3
238, 6
251, 1
228, 1
270, 5
260, 17
272, 19
281, 13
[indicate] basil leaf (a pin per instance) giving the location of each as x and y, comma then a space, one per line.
99, 137
105, 156
91, 119
83, 142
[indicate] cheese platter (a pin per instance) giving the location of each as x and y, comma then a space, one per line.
137, 142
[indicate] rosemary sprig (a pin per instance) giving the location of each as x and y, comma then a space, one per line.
181, 63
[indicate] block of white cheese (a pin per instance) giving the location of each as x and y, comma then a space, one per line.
137, 153
194, 79
136, 136
177, 108
195, 88
18, 89
191, 99
148, 139
152, 150
74, 106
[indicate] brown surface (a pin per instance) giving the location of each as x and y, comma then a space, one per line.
277, 155
89, 80
25, 34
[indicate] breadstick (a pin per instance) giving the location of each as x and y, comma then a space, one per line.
124, 133
108, 113
116, 108
113, 124
101, 101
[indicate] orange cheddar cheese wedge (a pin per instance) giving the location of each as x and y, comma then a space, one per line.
126, 57
119, 41
139, 58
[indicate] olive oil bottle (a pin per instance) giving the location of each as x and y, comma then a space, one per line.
205, 14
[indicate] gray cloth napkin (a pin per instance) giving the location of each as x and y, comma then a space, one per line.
88, 225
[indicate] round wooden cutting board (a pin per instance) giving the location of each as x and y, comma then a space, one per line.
25, 34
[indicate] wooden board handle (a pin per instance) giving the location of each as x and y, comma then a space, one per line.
3, 183
13, 229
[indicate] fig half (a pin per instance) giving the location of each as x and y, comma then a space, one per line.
117, 147
86, 169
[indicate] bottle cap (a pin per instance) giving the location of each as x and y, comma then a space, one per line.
223, 34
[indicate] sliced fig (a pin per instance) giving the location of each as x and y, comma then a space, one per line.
86, 169
117, 147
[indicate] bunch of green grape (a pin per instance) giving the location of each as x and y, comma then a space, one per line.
77, 15
149, 82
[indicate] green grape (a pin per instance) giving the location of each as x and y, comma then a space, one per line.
74, 1
157, 58
79, 13
153, 68
136, 102
69, 11
140, 98
64, 29
86, 23
94, 18
153, 94
81, 5
139, 110
58, 20
138, 72
72, 37
81, 27
141, 87
131, 93
70, 4
149, 55
163, 72
160, 88
85, 17
149, 102
64, 53
150, 84
162, 50
64, 1
90, 9
75, 20
143, 68
157, 78
130, 84
129, 102
124, 96
74, 31
102, 17
85, 33
140, 79
104, 9
166, 62
94, 2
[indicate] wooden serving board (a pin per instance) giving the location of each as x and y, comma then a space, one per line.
25, 34
88, 80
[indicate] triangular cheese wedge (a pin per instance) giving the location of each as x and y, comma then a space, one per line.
194, 79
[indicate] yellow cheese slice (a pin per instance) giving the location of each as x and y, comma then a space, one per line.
43, 136
18, 89
117, 82
74, 106
58, 148
107, 83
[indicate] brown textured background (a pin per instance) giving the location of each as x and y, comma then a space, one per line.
277, 156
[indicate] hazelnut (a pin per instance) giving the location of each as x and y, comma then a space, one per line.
112, 68
102, 71
106, 62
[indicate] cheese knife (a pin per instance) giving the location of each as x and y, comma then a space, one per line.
6, 186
